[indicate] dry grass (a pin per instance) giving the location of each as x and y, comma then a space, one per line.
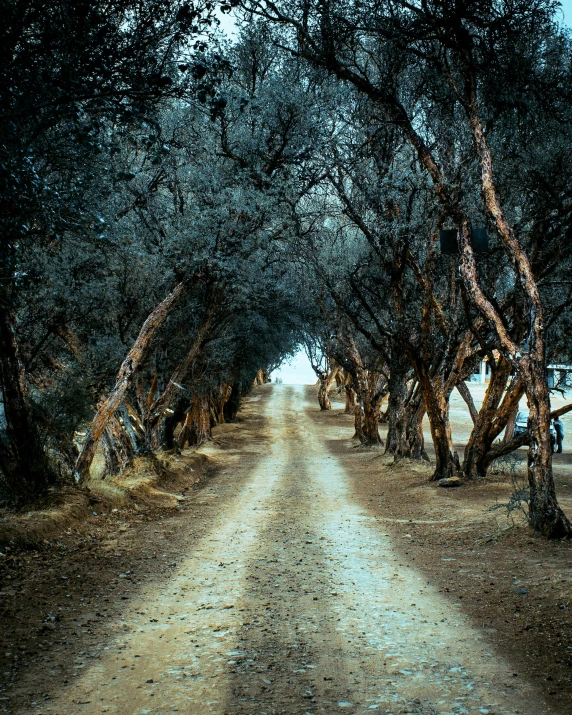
152, 481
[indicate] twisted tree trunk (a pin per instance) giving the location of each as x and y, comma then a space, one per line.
491, 418
125, 376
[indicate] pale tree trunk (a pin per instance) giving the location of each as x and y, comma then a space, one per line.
261, 378
510, 425
323, 398
223, 397
465, 393
125, 376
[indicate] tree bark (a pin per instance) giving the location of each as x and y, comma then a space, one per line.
545, 514
415, 441
197, 427
125, 376
486, 425
117, 447
23, 460
437, 408
232, 406
468, 398
350, 398
358, 423
396, 442
155, 414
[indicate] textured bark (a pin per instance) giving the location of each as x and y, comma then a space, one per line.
370, 423
437, 407
125, 376
468, 398
156, 410
197, 427
396, 442
261, 378
545, 514
371, 389
490, 420
350, 398
117, 447
415, 441
358, 423
128, 427
510, 425
323, 398
223, 397
24, 462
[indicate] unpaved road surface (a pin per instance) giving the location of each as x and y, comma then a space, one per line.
294, 601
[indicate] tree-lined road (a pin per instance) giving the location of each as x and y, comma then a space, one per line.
295, 601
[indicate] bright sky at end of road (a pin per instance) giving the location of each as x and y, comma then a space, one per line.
567, 11
296, 371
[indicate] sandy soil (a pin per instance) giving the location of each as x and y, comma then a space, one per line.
305, 576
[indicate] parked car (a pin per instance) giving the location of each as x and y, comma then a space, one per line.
521, 426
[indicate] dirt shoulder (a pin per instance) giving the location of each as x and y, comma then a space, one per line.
511, 583
61, 597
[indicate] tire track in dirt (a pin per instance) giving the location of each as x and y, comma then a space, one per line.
295, 602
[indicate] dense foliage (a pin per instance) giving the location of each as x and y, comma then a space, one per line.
180, 212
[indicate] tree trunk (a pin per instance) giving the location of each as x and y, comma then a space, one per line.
117, 447
486, 425
154, 419
107, 409
545, 514
128, 427
415, 441
23, 459
172, 420
197, 427
232, 406
468, 398
358, 423
510, 425
437, 407
223, 397
396, 442
350, 399
370, 423
323, 399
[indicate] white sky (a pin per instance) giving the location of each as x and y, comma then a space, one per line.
567, 11
297, 372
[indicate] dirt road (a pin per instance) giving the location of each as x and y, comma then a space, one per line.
295, 602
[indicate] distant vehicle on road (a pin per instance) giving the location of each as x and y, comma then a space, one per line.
521, 426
